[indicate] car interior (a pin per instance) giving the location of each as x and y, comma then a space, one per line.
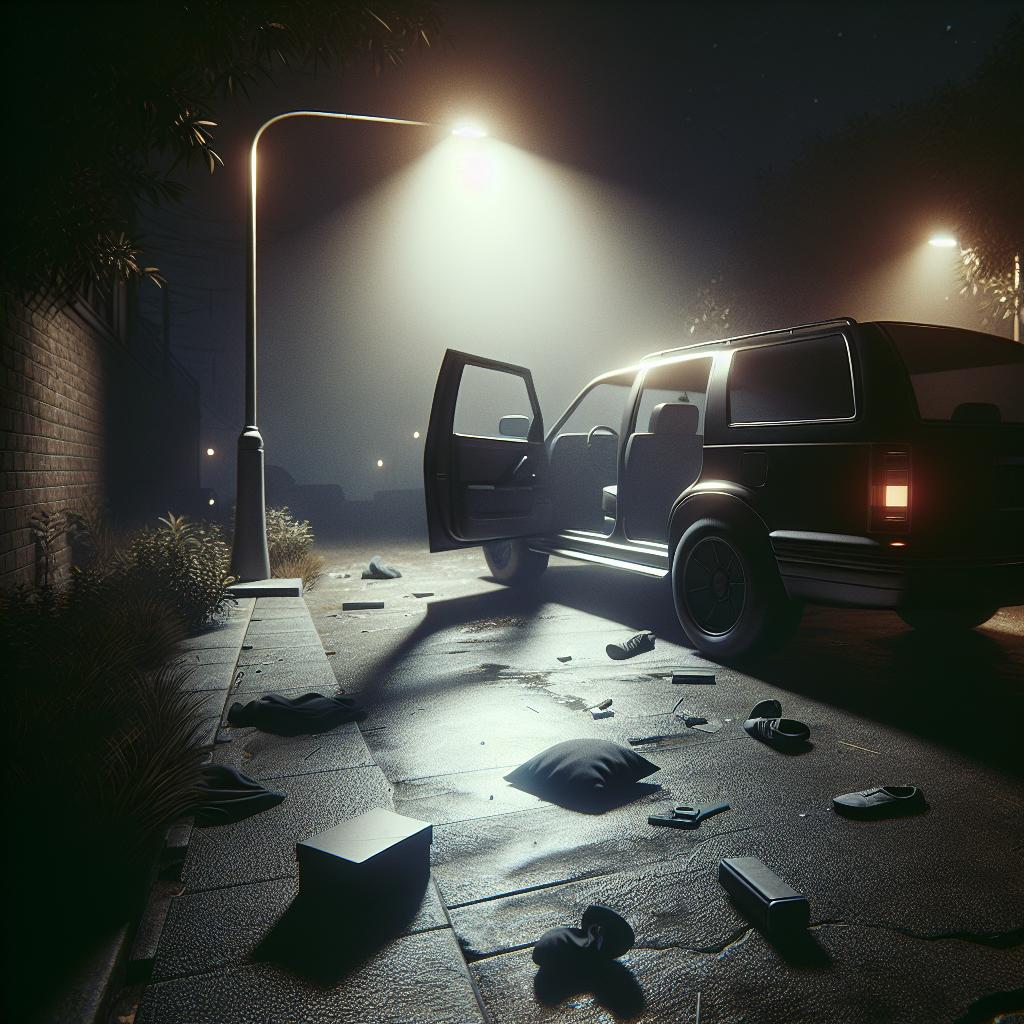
659, 464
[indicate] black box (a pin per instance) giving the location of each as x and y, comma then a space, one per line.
766, 900
374, 850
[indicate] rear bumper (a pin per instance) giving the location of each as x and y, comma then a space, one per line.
862, 572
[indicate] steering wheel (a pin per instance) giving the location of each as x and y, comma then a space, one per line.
600, 426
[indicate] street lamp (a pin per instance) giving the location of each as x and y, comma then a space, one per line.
249, 557
943, 241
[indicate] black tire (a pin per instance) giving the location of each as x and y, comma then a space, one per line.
946, 620
727, 590
512, 562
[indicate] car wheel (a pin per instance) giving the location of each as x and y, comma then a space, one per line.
512, 562
943, 620
728, 594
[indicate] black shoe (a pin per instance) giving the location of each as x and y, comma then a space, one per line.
781, 733
639, 644
604, 935
884, 802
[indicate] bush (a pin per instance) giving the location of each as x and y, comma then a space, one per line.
104, 743
290, 544
181, 563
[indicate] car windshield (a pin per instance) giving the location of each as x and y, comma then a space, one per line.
955, 372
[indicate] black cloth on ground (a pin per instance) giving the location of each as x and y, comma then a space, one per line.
226, 795
295, 716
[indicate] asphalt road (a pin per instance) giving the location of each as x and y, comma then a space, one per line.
919, 919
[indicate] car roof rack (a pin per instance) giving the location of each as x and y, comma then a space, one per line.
756, 334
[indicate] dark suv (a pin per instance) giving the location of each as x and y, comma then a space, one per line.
877, 465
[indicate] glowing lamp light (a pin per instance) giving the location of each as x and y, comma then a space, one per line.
465, 130
897, 543
211, 501
896, 495
415, 435
942, 241
380, 463
210, 451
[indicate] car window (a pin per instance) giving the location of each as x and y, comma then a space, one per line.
793, 382
685, 382
950, 369
603, 405
485, 396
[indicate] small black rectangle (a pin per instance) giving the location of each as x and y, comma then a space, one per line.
766, 900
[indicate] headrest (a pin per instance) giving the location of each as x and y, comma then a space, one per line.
675, 418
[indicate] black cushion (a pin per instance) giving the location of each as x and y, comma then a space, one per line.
577, 772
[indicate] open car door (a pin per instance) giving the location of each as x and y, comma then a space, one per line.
485, 466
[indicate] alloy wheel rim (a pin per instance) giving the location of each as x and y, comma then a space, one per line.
714, 586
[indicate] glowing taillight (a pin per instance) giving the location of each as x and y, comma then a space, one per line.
896, 495
890, 489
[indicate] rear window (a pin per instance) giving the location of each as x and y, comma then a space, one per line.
950, 368
795, 382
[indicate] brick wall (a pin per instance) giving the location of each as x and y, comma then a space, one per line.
91, 410
51, 427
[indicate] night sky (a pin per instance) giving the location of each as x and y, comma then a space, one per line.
666, 120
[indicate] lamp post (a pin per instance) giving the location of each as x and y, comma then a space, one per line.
249, 558
949, 242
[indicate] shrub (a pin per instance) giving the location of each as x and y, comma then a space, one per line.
288, 538
290, 544
309, 568
182, 564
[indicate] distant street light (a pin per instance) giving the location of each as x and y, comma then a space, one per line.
210, 451
415, 435
941, 241
249, 557
380, 463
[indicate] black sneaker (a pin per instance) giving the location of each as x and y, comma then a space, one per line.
766, 724
639, 644
884, 802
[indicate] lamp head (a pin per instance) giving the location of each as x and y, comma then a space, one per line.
466, 130
942, 241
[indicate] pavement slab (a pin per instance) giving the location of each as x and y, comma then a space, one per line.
415, 978
254, 680
208, 931
263, 755
846, 973
263, 846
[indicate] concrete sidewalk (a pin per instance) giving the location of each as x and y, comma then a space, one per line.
920, 919
238, 880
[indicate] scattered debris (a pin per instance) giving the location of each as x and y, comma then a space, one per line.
602, 710
639, 741
422, 593
686, 817
355, 606
246, 647
330, 654
847, 743
377, 570
532, 708
338, 575
694, 678
564, 658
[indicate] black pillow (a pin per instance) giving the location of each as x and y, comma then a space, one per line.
581, 771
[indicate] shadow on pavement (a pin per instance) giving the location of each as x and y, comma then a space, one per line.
323, 941
611, 984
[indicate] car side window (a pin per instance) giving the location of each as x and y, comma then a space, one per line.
684, 382
603, 405
486, 396
792, 382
